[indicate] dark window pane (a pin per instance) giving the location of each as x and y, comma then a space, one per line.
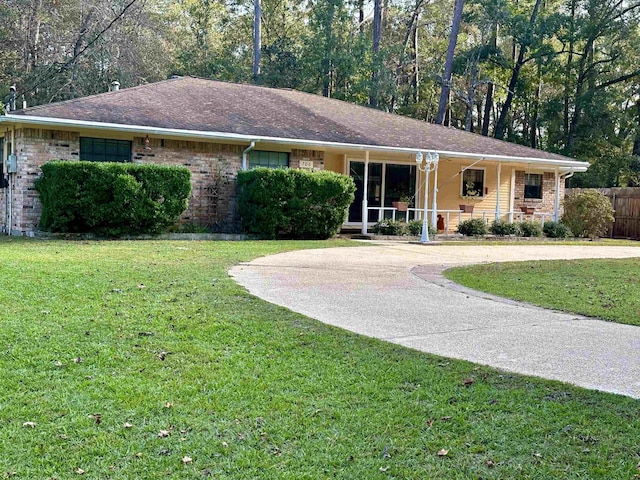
532, 185
104, 150
261, 158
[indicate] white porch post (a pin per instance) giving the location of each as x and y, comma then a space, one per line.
427, 165
499, 171
365, 194
556, 206
434, 200
424, 238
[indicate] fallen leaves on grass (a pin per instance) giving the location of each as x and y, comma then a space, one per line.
29, 424
128, 425
163, 433
97, 417
443, 453
187, 460
79, 471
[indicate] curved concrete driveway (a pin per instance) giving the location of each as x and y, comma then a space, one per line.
395, 292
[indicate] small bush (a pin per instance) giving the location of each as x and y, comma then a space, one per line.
415, 228
529, 228
111, 199
474, 227
588, 213
556, 230
502, 228
390, 227
293, 203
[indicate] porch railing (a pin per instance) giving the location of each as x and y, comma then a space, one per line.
487, 215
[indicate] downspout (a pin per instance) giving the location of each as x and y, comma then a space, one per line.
244, 154
5, 155
11, 180
559, 178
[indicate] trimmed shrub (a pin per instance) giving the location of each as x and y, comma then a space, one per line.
556, 230
415, 228
111, 199
529, 228
474, 227
293, 203
502, 228
390, 227
588, 213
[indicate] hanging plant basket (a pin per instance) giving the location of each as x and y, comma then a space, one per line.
400, 206
528, 210
466, 208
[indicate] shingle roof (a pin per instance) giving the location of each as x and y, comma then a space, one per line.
188, 103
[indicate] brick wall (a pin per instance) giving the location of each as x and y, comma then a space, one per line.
213, 167
306, 155
34, 147
544, 205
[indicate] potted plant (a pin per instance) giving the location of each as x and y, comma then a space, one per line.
402, 204
470, 194
527, 209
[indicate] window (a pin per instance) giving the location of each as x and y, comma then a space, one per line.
262, 158
473, 183
105, 150
532, 185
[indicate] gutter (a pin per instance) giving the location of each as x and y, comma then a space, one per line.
567, 165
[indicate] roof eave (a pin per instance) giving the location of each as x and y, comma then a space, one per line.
565, 165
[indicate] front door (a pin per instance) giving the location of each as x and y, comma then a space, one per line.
374, 190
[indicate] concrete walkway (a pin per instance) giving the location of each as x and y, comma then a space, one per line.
396, 292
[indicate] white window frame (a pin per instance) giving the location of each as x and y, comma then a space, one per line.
484, 180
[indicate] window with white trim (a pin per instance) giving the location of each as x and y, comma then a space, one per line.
473, 182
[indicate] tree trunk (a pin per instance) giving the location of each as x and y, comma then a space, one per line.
636, 141
377, 33
471, 95
326, 60
257, 39
448, 66
488, 103
502, 119
536, 113
415, 84
568, 69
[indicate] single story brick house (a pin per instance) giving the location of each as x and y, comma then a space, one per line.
217, 128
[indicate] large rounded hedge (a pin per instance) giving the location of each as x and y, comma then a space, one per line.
293, 203
111, 199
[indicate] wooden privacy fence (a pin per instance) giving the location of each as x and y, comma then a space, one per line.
626, 203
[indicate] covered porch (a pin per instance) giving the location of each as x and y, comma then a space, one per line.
449, 189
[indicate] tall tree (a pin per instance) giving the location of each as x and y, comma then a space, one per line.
445, 92
257, 38
524, 42
377, 34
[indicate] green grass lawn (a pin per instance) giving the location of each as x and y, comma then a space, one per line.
141, 360
607, 289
